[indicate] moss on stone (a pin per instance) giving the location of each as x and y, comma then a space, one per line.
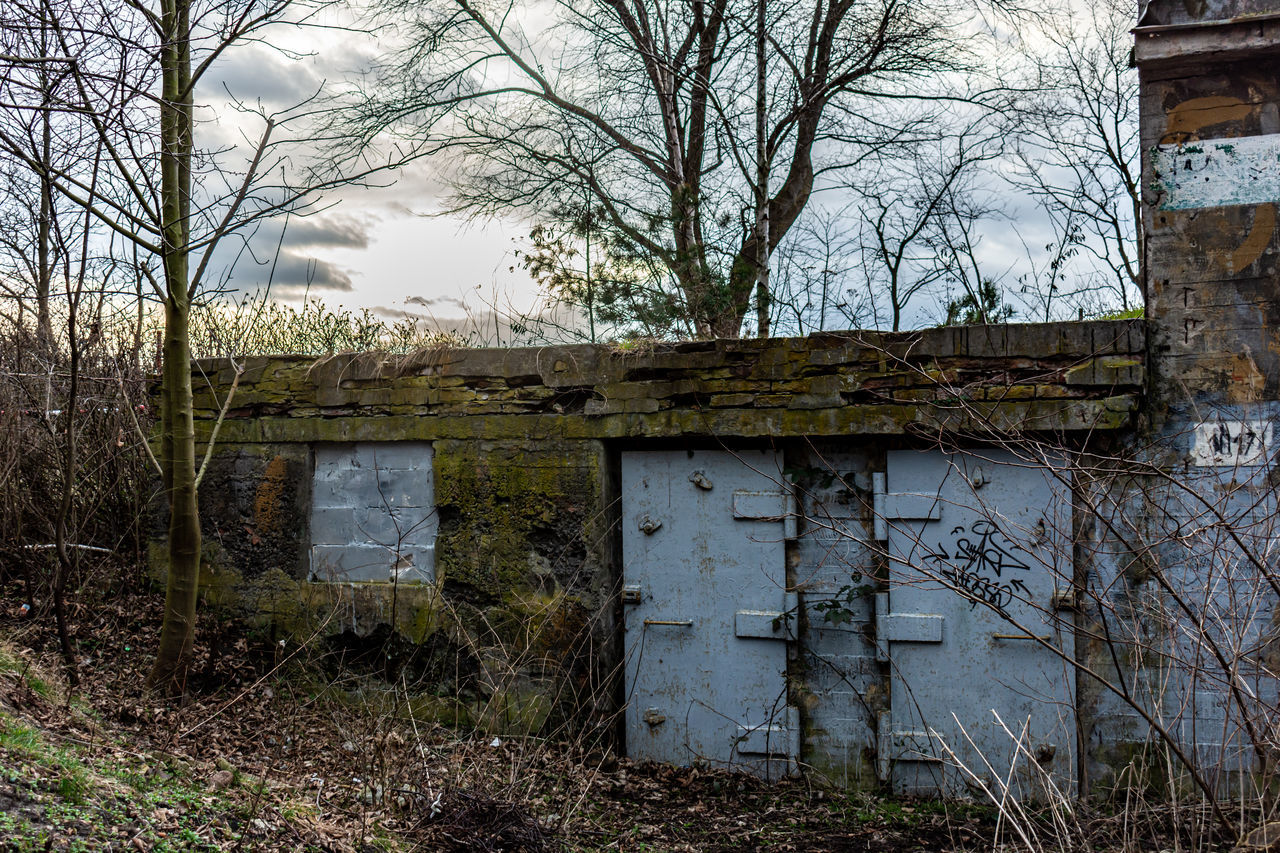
521, 709
505, 508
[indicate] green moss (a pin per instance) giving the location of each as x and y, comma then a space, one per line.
361, 608
157, 560
301, 609
1139, 766
219, 584
444, 710
422, 708
503, 507
535, 626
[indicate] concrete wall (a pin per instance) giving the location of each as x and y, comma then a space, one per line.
1180, 597
522, 448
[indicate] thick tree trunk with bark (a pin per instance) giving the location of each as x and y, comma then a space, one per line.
784, 208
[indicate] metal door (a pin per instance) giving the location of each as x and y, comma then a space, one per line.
706, 611
973, 626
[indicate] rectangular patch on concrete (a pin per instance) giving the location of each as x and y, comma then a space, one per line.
1218, 172
373, 514
1223, 443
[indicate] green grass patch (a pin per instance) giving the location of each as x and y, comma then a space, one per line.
19, 738
73, 784
39, 686
1135, 313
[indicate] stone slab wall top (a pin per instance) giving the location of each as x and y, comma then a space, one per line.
1034, 376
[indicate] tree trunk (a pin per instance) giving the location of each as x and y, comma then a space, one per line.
178, 443
763, 249
45, 260
783, 210
177, 632
63, 564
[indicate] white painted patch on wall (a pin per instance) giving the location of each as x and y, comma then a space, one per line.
1218, 172
373, 515
1223, 443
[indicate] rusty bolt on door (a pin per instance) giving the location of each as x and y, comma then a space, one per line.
701, 480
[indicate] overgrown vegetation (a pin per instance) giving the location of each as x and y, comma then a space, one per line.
278, 752
263, 326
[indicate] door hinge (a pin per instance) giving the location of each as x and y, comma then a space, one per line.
900, 506
770, 505
903, 627
893, 746
767, 624
781, 738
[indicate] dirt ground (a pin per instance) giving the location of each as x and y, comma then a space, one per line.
274, 750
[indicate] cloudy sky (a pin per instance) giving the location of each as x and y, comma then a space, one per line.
384, 247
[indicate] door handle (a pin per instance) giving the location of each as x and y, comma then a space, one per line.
1042, 637
675, 623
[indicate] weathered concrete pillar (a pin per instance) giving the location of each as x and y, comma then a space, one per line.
1210, 132
1185, 557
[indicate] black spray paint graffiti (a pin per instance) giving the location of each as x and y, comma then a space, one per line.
1242, 444
978, 553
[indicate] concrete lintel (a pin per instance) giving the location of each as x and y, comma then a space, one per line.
1208, 41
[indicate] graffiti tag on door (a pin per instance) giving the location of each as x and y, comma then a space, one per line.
981, 564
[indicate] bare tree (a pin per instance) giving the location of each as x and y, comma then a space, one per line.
813, 286
132, 72
1075, 127
921, 210
36, 231
660, 113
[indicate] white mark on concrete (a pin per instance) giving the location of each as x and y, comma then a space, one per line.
1218, 172
1223, 443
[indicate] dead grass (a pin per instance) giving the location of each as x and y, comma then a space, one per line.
270, 753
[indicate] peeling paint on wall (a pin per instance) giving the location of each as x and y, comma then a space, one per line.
1218, 172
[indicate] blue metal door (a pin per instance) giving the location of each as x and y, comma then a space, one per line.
706, 609
974, 626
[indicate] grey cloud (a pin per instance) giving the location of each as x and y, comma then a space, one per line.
334, 231
261, 73
486, 327
293, 270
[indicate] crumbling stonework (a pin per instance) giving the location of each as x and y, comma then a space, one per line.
1068, 376
525, 445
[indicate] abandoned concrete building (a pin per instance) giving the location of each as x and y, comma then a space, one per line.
912, 559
